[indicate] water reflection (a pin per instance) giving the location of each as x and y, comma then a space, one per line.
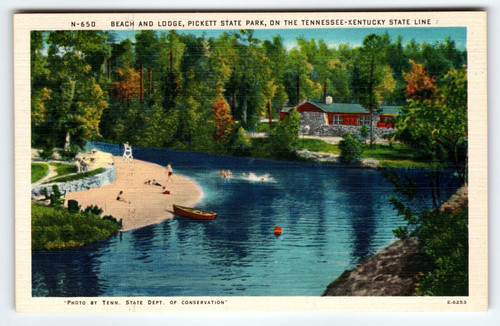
362, 191
69, 272
142, 242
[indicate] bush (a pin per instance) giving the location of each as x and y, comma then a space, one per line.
350, 149
96, 210
73, 206
442, 236
284, 137
54, 228
69, 155
46, 153
364, 132
239, 143
444, 239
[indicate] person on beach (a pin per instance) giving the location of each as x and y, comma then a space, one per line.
121, 198
165, 191
78, 166
154, 183
169, 173
84, 167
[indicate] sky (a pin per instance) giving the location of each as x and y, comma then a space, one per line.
336, 36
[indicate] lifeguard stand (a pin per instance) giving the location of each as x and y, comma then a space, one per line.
127, 155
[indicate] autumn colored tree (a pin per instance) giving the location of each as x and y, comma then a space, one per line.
434, 120
224, 123
126, 87
419, 85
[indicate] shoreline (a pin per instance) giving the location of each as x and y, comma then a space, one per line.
140, 204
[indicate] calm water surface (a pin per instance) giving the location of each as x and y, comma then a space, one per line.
332, 218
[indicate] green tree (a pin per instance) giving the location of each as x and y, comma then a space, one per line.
284, 138
239, 144
167, 74
350, 149
251, 79
276, 53
74, 99
371, 75
298, 78
146, 47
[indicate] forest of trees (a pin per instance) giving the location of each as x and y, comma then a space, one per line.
166, 89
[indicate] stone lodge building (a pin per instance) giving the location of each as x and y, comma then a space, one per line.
338, 119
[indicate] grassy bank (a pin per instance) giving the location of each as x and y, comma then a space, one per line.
63, 169
78, 176
38, 171
55, 228
396, 156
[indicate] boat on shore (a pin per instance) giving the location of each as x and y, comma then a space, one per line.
193, 213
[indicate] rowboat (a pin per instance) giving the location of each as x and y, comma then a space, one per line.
193, 213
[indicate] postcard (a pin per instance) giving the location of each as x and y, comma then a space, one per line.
293, 161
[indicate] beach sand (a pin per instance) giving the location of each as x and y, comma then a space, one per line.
146, 203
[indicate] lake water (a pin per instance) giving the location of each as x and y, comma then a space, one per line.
332, 218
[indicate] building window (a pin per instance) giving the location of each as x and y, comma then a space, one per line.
337, 119
364, 120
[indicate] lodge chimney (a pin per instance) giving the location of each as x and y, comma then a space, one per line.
328, 100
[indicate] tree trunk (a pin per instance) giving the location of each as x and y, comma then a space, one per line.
67, 141
298, 90
269, 113
370, 89
140, 83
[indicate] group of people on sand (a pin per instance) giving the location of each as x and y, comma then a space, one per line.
153, 182
225, 174
81, 165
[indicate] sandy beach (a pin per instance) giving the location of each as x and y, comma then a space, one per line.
142, 204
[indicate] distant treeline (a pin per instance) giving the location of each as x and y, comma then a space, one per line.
182, 91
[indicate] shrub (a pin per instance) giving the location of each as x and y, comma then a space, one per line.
364, 132
73, 206
442, 236
69, 155
350, 149
46, 153
96, 210
239, 143
284, 137
444, 239
55, 228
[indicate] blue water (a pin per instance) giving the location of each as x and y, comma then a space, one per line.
332, 218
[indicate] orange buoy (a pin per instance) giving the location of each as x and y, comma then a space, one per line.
278, 230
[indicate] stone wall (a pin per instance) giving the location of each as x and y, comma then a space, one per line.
94, 181
318, 126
